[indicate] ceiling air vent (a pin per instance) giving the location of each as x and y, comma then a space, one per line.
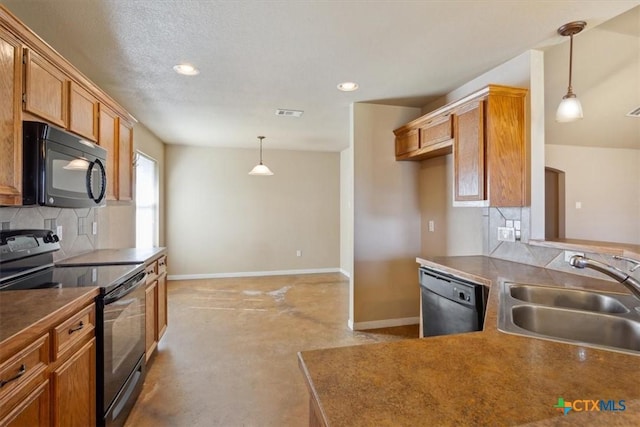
634, 113
289, 113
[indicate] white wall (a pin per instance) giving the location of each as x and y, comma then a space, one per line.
606, 181
386, 211
222, 221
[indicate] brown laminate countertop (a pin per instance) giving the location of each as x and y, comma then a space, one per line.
480, 378
114, 256
27, 314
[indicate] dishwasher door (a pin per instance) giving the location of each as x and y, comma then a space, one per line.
450, 305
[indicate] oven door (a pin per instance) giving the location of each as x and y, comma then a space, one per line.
72, 178
123, 330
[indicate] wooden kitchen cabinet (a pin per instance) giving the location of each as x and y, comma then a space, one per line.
107, 136
51, 381
162, 316
125, 160
428, 136
490, 151
150, 340
83, 112
468, 149
45, 92
156, 303
36, 83
10, 120
485, 131
74, 389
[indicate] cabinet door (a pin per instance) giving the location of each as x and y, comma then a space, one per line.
45, 89
150, 318
10, 121
469, 153
125, 161
32, 411
407, 142
74, 389
162, 306
107, 140
83, 112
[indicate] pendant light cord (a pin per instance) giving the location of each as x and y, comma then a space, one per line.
261, 138
570, 88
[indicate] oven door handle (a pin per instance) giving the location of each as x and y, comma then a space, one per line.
125, 288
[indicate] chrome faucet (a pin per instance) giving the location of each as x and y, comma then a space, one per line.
629, 282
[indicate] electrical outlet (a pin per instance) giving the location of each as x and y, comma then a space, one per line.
432, 226
59, 231
94, 228
298, 252
569, 254
506, 234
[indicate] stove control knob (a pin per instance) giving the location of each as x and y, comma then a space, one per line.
47, 238
55, 237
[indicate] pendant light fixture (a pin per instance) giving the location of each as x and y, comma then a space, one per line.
261, 169
570, 108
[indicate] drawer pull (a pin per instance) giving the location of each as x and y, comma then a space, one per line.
23, 369
77, 328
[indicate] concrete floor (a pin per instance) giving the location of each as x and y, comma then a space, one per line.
228, 357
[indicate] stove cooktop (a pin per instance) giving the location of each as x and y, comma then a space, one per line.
106, 277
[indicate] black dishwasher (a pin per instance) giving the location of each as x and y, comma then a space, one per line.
450, 305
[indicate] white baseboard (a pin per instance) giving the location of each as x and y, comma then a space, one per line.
386, 323
251, 274
346, 273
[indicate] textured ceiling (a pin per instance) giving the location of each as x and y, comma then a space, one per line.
257, 56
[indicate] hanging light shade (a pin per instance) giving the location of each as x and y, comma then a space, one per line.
260, 168
570, 108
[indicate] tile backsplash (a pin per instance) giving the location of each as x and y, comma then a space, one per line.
77, 226
522, 252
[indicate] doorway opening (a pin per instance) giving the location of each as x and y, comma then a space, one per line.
554, 204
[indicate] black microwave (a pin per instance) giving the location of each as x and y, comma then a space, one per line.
61, 169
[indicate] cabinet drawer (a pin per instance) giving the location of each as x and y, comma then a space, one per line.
74, 330
437, 130
22, 367
162, 265
152, 272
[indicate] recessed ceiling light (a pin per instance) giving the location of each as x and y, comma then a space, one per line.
348, 86
186, 69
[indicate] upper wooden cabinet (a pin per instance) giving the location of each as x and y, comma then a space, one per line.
45, 91
468, 148
125, 161
83, 112
37, 83
428, 136
486, 133
10, 120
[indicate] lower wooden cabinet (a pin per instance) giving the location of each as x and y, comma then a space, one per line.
156, 303
46, 384
150, 319
74, 389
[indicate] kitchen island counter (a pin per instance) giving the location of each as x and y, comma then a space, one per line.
480, 378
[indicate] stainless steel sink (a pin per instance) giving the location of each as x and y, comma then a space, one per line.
579, 326
567, 298
592, 319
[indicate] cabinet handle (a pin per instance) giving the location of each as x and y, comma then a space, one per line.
77, 328
23, 369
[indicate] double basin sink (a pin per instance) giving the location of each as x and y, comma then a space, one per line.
604, 320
